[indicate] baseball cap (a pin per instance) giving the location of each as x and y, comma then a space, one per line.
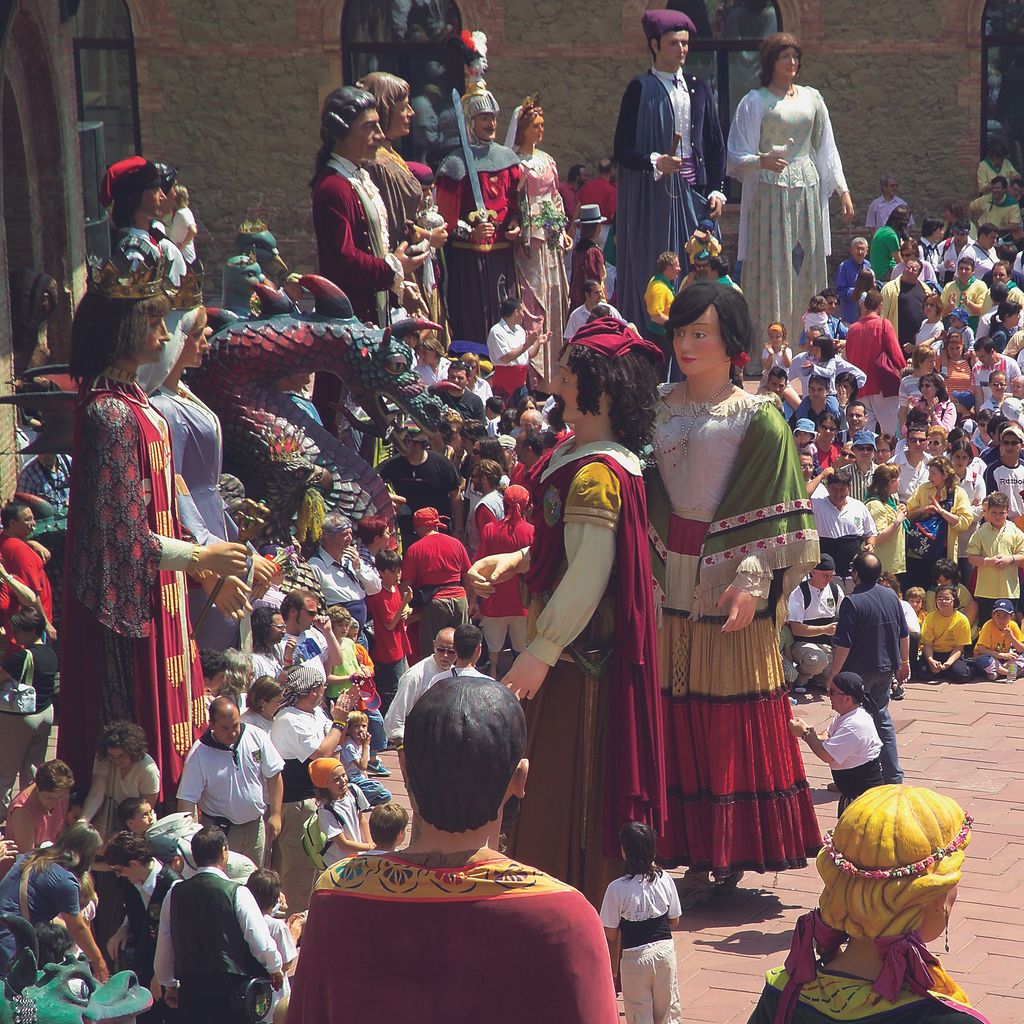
806, 425
1015, 429
1003, 605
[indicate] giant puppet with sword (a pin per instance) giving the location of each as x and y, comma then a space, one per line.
478, 196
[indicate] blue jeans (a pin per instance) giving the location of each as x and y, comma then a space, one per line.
378, 738
374, 792
878, 686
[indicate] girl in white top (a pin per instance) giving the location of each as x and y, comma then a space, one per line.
775, 351
638, 912
342, 811
183, 228
931, 330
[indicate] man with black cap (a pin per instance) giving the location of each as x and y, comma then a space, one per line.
671, 155
484, 912
813, 610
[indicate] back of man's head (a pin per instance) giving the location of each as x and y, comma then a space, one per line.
464, 739
868, 568
467, 639
208, 846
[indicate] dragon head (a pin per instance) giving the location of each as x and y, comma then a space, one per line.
65, 993
254, 236
241, 274
378, 364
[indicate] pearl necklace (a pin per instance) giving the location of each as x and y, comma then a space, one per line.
694, 411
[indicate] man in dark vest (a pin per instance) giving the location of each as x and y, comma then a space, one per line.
212, 939
143, 886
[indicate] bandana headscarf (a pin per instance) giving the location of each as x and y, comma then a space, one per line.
302, 679
320, 770
516, 499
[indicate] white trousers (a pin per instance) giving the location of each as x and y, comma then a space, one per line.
650, 994
885, 411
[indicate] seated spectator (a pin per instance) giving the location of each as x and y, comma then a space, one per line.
995, 163
997, 551
464, 745
54, 882
388, 825
39, 813
265, 886
827, 450
417, 680
261, 703
355, 755
480, 387
914, 603
945, 633
913, 460
342, 810
945, 573
935, 401
813, 609
232, 777
122, 768
997, 207
24, 735
389, 608
1001, 639
431, 359
850, 746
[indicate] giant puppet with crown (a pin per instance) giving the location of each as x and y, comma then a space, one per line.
478, 196
127, 651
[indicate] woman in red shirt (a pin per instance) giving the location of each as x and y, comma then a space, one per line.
826, 448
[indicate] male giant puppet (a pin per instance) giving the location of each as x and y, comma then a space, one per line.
481, 267
671, 152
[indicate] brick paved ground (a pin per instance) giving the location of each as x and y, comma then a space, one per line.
967, 741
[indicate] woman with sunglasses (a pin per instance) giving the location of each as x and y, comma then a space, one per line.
850, 746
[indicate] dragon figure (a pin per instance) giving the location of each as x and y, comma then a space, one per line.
66, 993
277, 450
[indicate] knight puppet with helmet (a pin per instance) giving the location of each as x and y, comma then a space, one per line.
477, 194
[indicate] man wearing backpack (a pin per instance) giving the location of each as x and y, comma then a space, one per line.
813, 611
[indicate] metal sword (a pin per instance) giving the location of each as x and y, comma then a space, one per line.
481, 213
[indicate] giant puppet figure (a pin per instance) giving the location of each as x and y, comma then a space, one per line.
590, 674
351, 221
671, 156
478, 197
127, 651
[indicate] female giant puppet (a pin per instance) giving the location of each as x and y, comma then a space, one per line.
594, 726
891, 868
729, 507
126, 651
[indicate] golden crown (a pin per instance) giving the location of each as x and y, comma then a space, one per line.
136, 269
252, 227
190, 292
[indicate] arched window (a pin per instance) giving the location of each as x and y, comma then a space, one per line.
105, 75
725, 50
410, 38
1002, 77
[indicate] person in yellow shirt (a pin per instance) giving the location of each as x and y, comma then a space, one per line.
965, 290
994, 164
944, 635
998, 207
996, 550
659, 295
1000, 640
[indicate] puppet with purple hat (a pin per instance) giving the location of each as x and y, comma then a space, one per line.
671, 155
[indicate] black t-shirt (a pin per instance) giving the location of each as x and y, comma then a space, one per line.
911, 311
45, 664
468, 405
424, 486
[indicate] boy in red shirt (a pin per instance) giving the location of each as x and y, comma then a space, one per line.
389, 609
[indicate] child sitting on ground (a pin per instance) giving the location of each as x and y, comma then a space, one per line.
388, 823
638, 912
342, 810
913, 612
945, 634
265, 885
355, 755
1001, 639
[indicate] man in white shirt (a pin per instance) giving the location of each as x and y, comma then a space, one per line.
983, 251
593, 293
813, 610
309, 637
912, 462
882, 206
344, 577
469, 648
212, 938
510, 349
415, 682
224, 777
844, 524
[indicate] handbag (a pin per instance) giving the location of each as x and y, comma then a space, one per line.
19, 695
927, 537
889, 374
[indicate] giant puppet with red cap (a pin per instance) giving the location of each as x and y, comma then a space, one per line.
589, 672
135, 190
670, 151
